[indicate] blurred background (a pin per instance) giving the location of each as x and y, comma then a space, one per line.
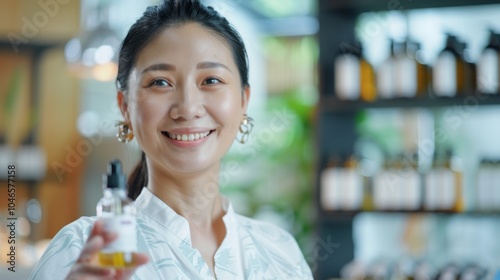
376, 141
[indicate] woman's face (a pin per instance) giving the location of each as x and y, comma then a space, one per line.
184, 100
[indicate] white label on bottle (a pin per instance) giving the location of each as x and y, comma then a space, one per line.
386, 79
488, 72
411, 195
341, 188
330, 192
125, 227
387, 189
495, 188
482, 189
347, 77
440, 190
431, 191
352, 189
445, 75
406, 77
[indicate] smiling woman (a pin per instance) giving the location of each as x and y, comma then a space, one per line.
183, 92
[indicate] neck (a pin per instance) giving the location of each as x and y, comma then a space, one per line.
193, 196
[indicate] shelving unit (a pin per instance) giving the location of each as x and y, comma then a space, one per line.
336, 134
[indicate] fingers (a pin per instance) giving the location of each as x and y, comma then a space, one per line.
86, 271
87, 267
98, 229
95, 242
91, 248
138, 259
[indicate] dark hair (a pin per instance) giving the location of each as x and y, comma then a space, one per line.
154, 20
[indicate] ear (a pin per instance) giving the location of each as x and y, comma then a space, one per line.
123, 104
245, 98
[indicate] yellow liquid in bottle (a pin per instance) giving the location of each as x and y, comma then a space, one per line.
460, 64
118, 259
422, 80
368, 87
459, 201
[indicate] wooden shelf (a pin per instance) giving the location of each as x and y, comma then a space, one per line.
362, 6
332, 104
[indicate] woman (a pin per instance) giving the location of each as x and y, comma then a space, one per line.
183, 93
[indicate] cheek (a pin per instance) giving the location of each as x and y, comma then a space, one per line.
146, 110
229, 110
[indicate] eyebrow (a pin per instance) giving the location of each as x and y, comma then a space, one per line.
211, 64
170, 67
159, 66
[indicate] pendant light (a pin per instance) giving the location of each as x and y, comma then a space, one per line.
94, 54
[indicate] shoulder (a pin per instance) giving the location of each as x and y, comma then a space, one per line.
275, 245
75, 232
81, 225
72, 234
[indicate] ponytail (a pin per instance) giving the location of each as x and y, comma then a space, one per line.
138, 178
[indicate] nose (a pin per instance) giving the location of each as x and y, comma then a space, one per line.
188, 104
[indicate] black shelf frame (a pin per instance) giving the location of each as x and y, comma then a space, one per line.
335, 131
363, 6
331, 104
347, 215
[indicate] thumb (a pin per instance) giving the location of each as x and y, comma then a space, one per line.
91, 248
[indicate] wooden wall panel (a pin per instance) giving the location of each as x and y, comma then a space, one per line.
59, 110
15, 74
40, 20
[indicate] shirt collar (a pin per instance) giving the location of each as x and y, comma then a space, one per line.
153, 207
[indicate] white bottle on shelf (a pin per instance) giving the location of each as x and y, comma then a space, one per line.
405, 74
341, 186
440, 192
495, 186
398, 186
488, 67
347, 69
386, 74
448, 72
444, 185
487, 185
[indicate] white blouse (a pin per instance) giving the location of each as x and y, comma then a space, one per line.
251, 249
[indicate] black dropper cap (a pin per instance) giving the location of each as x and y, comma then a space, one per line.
451, 43
115, 178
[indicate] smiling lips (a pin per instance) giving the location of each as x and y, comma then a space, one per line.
187, 137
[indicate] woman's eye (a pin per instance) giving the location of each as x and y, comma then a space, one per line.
160, 83
211, 81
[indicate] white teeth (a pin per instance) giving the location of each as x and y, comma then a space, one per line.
188, 137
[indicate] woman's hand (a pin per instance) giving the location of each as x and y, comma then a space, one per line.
87, 266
